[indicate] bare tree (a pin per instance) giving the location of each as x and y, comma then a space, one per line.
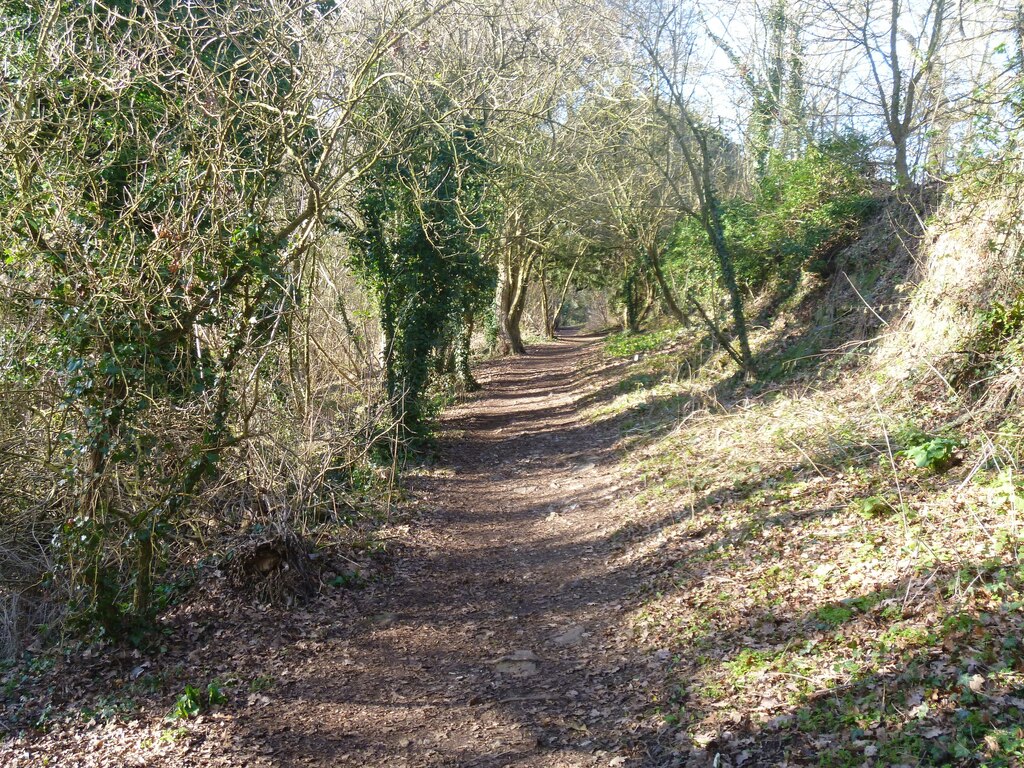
902, 44
543, 56
696, 166
768, 61
173, 170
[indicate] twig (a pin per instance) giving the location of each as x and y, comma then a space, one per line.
864, 301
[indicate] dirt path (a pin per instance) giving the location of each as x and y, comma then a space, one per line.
498, 642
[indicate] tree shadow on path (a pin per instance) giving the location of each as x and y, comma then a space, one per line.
499, 641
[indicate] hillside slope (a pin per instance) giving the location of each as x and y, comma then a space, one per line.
834, 553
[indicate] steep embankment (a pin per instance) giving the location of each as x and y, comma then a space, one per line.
824, 599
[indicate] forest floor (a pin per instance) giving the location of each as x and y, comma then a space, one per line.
498, 641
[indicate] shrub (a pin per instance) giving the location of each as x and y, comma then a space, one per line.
935, 454
996, 344
804, 211
928, 451
193, 702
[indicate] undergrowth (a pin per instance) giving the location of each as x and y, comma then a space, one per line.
630, 344
837, 551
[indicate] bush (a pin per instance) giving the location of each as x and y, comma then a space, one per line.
169, 355
804, 211
996, 344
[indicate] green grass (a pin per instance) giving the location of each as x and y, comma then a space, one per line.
627, 344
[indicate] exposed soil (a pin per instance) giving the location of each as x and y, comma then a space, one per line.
497, 639
497, 642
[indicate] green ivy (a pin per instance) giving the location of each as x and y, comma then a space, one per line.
804, 210
419, 252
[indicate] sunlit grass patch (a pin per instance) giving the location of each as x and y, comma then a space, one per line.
814, 578
630, 344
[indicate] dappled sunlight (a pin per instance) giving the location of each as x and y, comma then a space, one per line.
809, 587
511, 384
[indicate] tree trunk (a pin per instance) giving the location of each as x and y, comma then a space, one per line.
650, 294
515, 315
630, 303
561, 297
462, 350
709, 215
716, 332
510, 302
713, 225
630, 324
902, 165
549, 320
666, 291
144, 571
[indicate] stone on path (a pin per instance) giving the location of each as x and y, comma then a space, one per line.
571, 636
518, 664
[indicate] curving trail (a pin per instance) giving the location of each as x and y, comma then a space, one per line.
500, 641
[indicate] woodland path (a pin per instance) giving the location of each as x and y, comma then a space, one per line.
498, 641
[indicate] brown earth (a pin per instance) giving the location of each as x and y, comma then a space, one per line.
498, 639
498, 642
